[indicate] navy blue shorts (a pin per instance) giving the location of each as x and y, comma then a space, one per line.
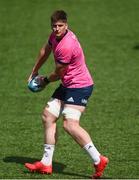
76, 96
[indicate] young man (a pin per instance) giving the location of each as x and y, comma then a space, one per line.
70, 98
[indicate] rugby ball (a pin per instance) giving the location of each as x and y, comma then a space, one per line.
37, 83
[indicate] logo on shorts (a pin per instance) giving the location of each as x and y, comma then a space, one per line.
84, 101
70, 99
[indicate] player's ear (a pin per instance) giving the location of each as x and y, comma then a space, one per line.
66, 26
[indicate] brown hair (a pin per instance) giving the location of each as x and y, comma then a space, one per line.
59, 15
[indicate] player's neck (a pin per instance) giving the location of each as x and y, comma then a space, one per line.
60, 37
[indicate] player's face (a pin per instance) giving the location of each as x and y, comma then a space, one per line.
59, 28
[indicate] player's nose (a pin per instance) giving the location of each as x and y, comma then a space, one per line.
57, 27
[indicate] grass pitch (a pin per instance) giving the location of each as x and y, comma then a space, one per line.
108, 32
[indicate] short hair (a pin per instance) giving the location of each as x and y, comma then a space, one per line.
59, 15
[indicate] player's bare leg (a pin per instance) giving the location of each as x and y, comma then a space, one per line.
49, 123
50, 116
80, 135
72, 126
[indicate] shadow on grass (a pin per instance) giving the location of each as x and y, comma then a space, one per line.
57, 167
136, 47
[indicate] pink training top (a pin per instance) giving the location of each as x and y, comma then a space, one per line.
68, 51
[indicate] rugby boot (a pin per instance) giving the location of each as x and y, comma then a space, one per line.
99, 168
39, 167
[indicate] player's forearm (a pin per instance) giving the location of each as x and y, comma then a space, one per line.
43, 56
53, 77
58, 73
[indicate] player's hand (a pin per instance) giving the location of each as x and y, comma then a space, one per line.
46, 80
33, 74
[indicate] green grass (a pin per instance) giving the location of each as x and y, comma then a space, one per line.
108, 31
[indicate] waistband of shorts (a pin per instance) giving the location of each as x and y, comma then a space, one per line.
85, 87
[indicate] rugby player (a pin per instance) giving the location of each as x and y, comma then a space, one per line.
70, 98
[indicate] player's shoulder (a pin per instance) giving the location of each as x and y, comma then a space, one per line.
71, 35
69, 40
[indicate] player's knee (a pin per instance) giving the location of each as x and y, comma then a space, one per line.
65, 126
70, 126
45, 116
48, 118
